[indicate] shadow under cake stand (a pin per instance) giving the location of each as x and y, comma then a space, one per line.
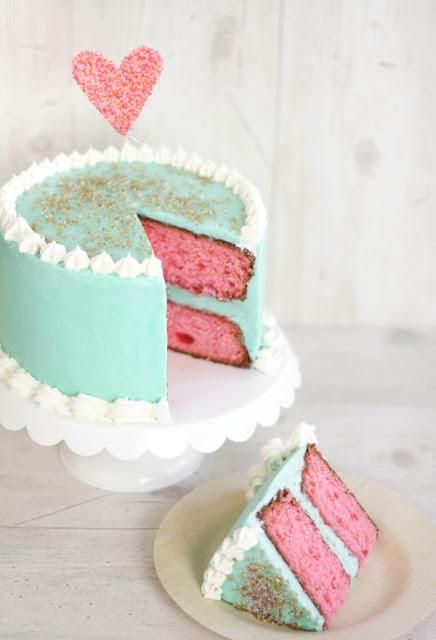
209, 402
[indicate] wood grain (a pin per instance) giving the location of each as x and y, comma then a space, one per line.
327, 106
76, 562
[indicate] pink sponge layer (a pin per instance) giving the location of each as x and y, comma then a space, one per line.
301, 546
337, 505
205, 335
200, 264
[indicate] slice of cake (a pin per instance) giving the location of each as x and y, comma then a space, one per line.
91, 248
293, 552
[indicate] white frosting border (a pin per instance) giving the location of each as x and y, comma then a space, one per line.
82, 406
16, 229
274, 453
269, 357
230, 551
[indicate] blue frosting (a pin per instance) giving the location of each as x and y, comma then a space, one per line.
97, 207
79, 332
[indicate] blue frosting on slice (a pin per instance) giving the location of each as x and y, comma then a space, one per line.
262, 575
263, 584
288, 476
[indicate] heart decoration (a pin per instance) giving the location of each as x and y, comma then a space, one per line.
119, 93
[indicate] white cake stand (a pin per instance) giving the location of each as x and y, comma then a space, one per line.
209, 403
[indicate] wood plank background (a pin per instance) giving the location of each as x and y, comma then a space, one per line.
328, 105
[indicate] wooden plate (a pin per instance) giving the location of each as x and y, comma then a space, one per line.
396, 589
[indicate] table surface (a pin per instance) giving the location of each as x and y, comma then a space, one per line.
76, 562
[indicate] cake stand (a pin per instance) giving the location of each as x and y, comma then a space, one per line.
209, 403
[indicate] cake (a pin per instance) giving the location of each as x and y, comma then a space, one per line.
294, 551
107, 258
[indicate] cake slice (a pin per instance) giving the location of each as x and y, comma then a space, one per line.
292, 554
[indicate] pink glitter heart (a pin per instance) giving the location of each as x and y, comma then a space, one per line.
118, 93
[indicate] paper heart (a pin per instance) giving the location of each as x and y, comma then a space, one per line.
118, 93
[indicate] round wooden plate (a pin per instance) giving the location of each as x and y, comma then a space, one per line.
396, 589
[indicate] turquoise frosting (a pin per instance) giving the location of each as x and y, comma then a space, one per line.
288, 475
81, 332
262, 583
97, 207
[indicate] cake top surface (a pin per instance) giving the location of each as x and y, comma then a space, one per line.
82, 211
97, 207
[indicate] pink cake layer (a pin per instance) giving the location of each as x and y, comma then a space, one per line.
200, 264
300, 544
205, 335
337, 505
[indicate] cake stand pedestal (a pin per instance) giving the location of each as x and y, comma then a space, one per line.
209, 403
146, 473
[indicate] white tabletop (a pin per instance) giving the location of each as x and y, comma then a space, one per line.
76, 562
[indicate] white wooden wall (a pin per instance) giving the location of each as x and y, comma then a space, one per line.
328, 105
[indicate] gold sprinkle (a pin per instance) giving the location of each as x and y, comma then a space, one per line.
94, 205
